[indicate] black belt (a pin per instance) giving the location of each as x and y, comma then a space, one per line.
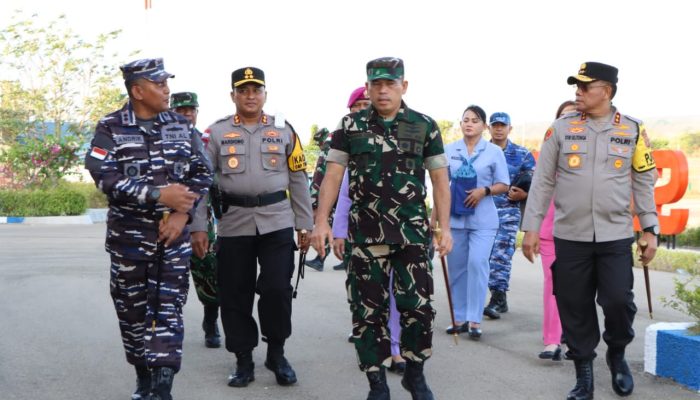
253, 201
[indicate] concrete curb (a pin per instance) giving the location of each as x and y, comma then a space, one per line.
91, 216
670, 352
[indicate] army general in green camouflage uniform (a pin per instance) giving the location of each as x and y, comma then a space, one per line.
387, 148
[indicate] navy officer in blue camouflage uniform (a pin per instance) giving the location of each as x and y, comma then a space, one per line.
257, 159
151, 165
521, 166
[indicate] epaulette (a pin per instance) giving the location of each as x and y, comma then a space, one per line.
569, 114
223, 119
635, 120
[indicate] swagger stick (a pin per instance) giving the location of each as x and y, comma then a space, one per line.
438, 235
643, 246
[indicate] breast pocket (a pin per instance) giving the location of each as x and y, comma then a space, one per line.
177, 150
273, 156
232, 159
361, 152
575, 156
619, 158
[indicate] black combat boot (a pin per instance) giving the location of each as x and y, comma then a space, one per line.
212, 339
584, 381
491, 309
162, 383
501, 301
143, 383
244, 370
622, 381
378, 389
414, 381
276, 363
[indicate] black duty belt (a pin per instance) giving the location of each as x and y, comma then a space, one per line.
253, 201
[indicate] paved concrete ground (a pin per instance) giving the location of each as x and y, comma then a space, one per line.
60, 338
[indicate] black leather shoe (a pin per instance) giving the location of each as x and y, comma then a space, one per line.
316, 263
397, 367
622, 381
243, 376
584, 381
284, 373
451, 330
143, 384
378, 389
212, 339
162, 383
551, 355
414, 381
474, 333
339, 267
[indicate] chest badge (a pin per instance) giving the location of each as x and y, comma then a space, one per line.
576, 129
231, 149
574, 161
618, 164
574, 147
233, 162
232, 135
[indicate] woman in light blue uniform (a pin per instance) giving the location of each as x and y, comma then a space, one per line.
478, 170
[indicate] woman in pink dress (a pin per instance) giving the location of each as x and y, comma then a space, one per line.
551, 325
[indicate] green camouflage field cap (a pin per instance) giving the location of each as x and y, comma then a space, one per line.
183, 99
321, 135
385, 68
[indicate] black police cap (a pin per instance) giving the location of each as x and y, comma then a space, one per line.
247, 74
594, 71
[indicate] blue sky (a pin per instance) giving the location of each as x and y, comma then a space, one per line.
510, 56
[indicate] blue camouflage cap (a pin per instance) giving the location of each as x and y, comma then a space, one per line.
499, 117
151, 69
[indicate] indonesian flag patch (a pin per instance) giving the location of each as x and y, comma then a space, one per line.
98, 153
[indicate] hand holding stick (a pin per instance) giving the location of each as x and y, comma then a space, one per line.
438, 235
643, 246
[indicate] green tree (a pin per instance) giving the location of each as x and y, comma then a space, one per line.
58, 85
689, 143
448, 131
311, 150
660, 143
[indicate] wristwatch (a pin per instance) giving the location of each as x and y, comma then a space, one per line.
154, 195
652, 229
488, 190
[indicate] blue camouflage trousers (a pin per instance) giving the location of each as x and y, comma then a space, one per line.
136, 293
503, 248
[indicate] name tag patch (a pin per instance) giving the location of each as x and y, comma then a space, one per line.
125, 139
176, 136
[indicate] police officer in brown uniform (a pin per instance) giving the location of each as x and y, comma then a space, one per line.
257, 158
594, 162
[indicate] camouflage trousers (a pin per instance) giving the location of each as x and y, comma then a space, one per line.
368, 295
204, 273
503, 248
136, 294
